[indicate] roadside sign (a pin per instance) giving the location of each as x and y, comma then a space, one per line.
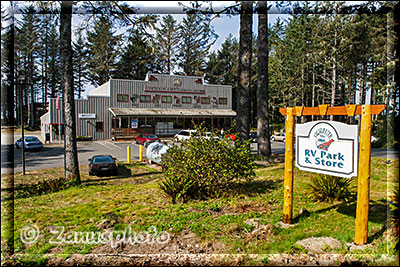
332, 142
327, 147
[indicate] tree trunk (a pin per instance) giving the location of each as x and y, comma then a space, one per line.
244, 71
263, 140
70, 146
334, 70
313, 90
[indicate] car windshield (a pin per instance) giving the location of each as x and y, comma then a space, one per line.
103, 160
152, 136
31, 139
184, 133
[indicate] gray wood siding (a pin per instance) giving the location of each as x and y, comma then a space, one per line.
93, 105
157, 89
87, 127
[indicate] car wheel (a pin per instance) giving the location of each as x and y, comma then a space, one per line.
90, 173
272, 139
283, 139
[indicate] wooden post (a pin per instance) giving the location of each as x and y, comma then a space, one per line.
140, 153
288, 180
129, 154
364, 164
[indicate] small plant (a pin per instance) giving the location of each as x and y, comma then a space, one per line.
328, 188
205, 166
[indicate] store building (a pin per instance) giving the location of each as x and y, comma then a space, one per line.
161, 104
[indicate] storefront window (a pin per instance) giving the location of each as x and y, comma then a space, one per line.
223, 101
166, 99
122, 98
124, 123
186, 100
145, 98
99, 126
205, 100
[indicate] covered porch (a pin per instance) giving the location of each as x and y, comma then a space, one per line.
130, 122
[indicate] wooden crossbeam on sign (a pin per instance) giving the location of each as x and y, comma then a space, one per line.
349, 110
361, 229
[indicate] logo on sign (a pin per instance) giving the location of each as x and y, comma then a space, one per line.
327, 147
323, 138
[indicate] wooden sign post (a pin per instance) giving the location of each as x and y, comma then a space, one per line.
364, 160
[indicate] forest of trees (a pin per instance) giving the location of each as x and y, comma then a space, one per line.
322, 54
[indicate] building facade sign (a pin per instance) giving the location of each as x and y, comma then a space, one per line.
87, 116
327, 147
173, 90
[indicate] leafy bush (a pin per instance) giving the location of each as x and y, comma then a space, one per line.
205, 167
328, 188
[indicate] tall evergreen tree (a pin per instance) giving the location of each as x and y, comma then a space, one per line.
70, 145
165, 43
80, 63
244, 71
136, 60
53, 69
7, 67
196, 37
263, 140
27, 48
103, 48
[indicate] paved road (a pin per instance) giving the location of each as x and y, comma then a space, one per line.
53, 154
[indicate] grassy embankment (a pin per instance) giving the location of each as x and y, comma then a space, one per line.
134, 199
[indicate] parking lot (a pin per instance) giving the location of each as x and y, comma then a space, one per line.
52, 154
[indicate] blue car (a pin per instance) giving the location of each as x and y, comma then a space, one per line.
30, 143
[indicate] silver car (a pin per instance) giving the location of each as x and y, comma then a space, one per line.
278, 137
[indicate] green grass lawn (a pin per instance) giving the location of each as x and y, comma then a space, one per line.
134, 199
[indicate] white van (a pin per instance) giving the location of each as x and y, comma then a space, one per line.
184, 135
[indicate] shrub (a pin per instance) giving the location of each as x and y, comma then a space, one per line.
202, 167
328, 188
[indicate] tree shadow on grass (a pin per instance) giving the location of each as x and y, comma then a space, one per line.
251, 188
378, 213
55, 185
123, 173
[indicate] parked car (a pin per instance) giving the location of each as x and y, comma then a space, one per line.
231, 136
184, 135
278, 137
146, 139
30, 143
102, 164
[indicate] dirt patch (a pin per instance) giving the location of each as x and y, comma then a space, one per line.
185, 242
319, 244
147, 260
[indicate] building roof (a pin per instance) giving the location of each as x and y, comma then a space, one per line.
172, 112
